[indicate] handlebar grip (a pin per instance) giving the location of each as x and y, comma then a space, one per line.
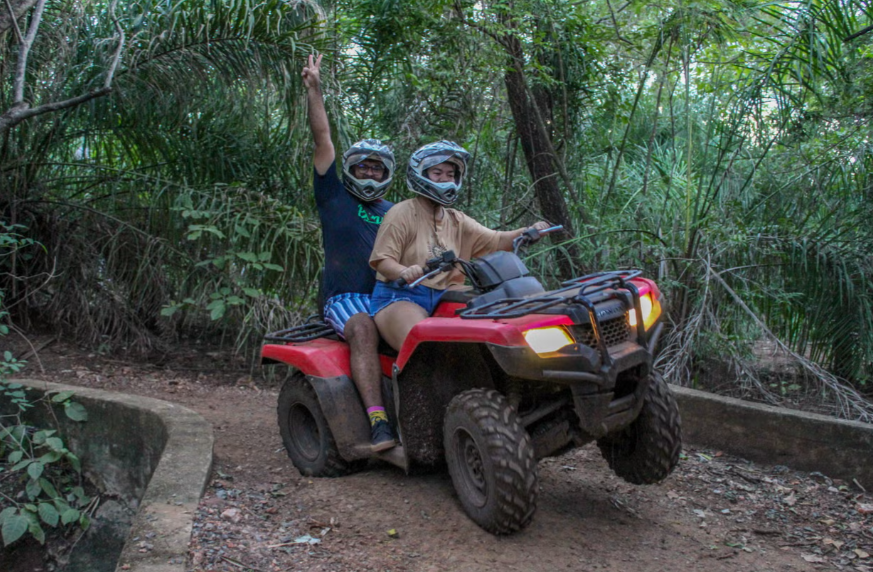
399, 283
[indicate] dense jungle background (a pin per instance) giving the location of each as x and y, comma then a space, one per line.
155, 164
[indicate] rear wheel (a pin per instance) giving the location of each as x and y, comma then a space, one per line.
647, 451
491, 461
305, 432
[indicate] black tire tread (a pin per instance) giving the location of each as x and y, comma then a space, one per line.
648, 451
297, 389
511, 453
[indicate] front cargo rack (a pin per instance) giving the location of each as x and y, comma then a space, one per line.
517, 307
312, 329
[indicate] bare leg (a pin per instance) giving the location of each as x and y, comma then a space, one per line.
395, 321
363, 338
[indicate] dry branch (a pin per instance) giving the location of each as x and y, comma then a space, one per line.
21, 109
676, 358
851, 404
24, 52
9, 17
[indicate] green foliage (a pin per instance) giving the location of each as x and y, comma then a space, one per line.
724, 139
41, 477
202, 114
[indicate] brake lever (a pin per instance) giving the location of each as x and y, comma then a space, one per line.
535, 234
438, 264
531, 235
426, 276
400, 282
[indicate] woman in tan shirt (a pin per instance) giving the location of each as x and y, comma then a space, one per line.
421, 228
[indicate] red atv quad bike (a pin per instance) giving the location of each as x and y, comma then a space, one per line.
501, 375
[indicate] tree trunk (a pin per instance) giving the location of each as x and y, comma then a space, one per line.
538, 152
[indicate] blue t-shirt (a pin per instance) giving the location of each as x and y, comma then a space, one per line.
348, 231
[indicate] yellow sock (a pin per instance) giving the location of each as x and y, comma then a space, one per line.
377, 414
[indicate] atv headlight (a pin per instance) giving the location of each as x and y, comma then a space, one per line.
547, 340
651, 310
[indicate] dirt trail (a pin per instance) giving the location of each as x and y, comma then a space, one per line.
715, 513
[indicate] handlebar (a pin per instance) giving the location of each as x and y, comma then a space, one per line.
425, 277
434, 266
551, 229
532, 235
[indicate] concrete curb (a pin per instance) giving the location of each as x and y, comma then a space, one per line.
147, 450
778, 436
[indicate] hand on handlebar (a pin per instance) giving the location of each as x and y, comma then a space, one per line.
412, 273
540, 228
415, 274
533, 233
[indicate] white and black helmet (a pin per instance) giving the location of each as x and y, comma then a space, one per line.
434, 154
367, 189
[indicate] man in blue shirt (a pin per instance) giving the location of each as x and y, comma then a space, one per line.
351, 211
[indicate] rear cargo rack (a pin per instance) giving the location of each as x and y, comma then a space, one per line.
587, 285
312, 329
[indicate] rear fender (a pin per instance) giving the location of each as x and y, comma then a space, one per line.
326, 365
319, 358
344, 411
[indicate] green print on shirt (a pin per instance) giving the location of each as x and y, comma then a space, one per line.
367, 217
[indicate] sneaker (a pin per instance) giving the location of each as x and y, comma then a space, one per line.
381, 437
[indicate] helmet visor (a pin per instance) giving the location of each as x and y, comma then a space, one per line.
438, 158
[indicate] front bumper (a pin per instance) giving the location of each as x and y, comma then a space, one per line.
604, 399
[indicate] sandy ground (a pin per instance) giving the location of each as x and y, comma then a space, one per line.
715, 513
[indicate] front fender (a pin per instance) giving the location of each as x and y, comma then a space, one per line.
504, 332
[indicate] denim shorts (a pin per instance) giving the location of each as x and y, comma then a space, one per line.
338, 309
385, 294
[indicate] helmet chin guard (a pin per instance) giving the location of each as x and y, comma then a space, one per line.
367, 189
434, 154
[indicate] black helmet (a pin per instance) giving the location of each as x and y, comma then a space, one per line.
434, 154
367, 189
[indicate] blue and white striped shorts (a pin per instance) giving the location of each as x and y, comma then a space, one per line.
338, 309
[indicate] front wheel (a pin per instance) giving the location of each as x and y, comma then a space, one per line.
491, 461
647, 451
305, 432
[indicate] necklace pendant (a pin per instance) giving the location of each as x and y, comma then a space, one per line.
437, 250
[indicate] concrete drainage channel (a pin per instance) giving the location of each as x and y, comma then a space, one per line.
151, 455
158, 456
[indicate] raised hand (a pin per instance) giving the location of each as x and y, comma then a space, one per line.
312, 72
